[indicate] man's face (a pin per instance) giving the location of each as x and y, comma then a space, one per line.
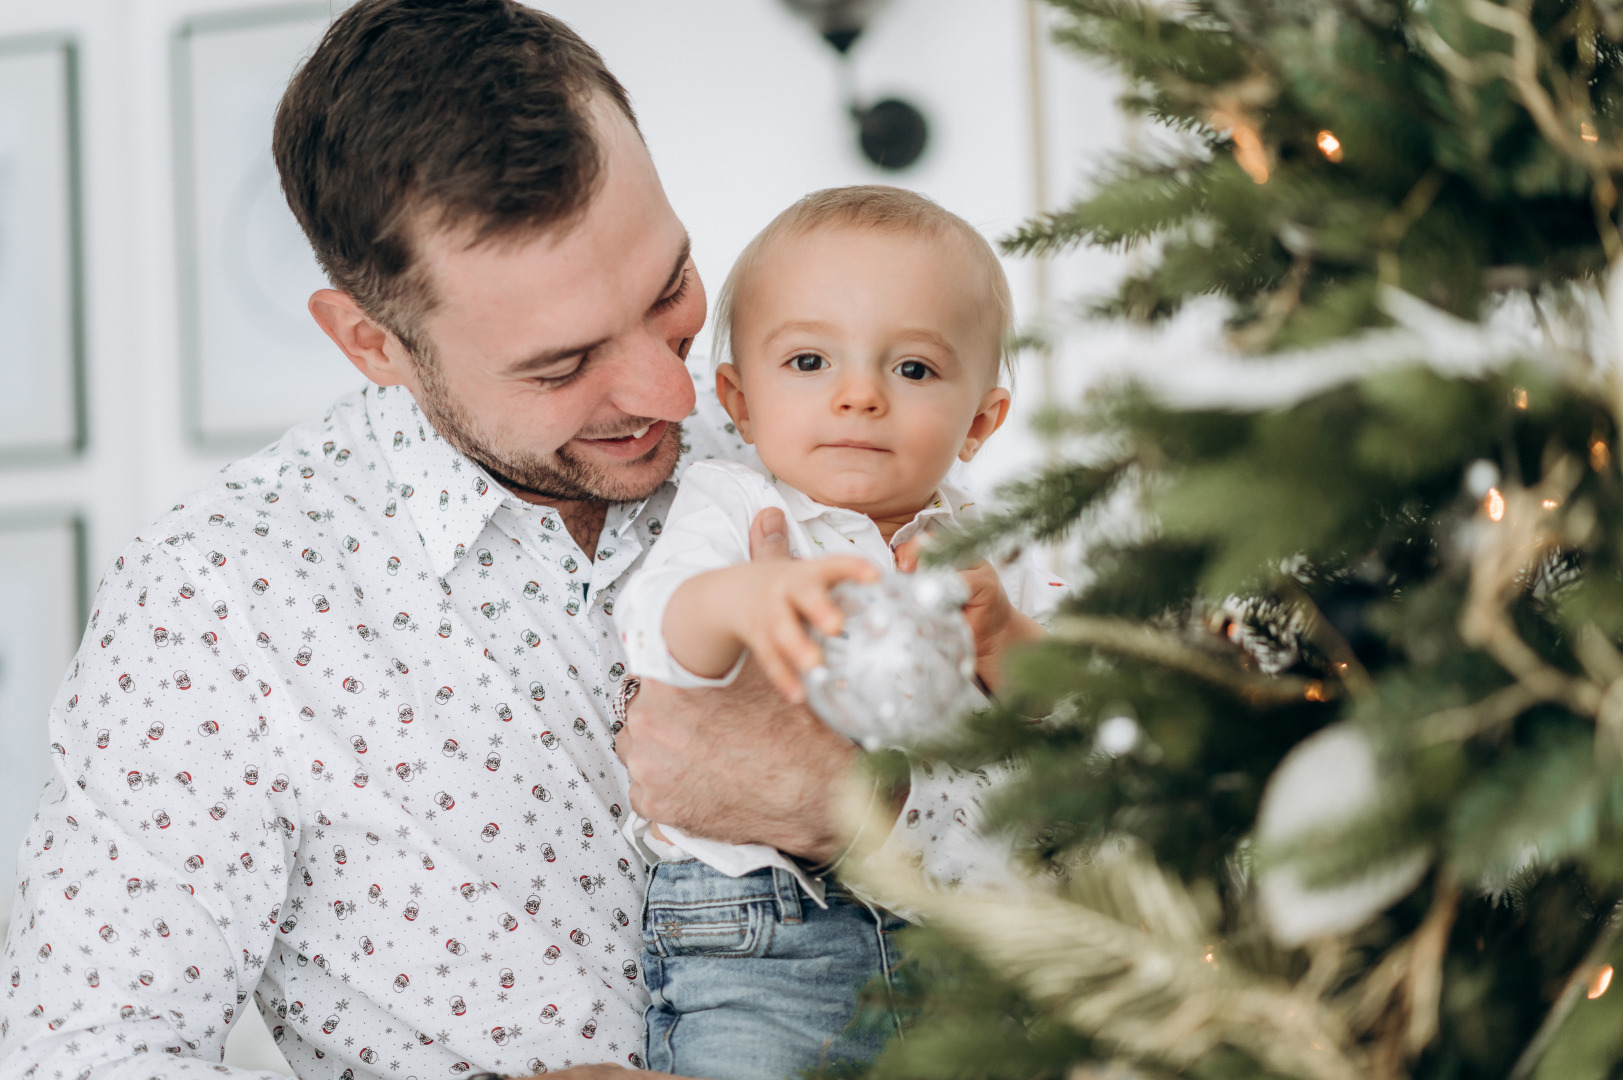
558, 359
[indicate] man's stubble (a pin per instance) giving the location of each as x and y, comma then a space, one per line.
560, 476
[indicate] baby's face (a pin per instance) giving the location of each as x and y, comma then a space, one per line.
866, 363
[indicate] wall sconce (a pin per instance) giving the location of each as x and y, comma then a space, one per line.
893, 133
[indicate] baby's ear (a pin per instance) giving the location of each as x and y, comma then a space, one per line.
993, 411
730, 392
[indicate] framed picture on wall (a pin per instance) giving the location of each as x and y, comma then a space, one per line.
41, 286
254, 360
42, 581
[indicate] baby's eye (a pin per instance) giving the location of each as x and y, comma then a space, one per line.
808, 362
913, 369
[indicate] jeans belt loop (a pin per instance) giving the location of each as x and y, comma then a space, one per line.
786, 893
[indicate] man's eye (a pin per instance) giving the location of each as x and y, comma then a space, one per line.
913, 369
562, 378
808, 362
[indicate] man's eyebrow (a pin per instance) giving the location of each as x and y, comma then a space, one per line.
553, 356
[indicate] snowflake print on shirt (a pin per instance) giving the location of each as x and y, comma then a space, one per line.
339, 736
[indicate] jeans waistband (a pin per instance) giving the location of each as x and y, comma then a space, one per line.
689, 882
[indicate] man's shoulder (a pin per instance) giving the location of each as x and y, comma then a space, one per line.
301, 479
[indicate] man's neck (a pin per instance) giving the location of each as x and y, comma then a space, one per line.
585, 522
583, 518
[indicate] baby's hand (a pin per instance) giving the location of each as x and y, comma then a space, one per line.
992, 617
777, 599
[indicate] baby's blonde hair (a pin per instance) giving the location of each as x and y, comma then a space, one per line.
873, 206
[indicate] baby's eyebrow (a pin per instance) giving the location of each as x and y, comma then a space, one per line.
930, 337
801, 327
918, 334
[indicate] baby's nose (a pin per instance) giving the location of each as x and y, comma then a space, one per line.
859, 394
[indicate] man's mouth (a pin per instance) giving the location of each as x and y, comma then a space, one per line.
635, 443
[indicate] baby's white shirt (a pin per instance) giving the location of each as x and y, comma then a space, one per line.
707, 529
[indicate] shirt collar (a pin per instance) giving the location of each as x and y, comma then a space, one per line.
949, 504
449, 497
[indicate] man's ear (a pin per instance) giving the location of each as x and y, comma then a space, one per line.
993, 411
373, 349
730, 390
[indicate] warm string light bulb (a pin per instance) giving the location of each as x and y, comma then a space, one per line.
1494, 504
1600, 981
1329, 145
1600, 455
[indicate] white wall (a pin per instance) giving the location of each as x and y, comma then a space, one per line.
741, 108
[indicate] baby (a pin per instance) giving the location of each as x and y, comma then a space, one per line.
865, 327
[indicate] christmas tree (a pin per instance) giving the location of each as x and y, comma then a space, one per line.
1324, 760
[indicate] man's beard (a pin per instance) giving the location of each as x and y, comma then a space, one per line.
563, 478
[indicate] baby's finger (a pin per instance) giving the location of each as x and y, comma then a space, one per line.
817, 607
844, 568
907, 555
792, 643
981, 578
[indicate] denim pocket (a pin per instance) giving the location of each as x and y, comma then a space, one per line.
710, 928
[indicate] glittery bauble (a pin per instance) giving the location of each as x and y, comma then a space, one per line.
903, 667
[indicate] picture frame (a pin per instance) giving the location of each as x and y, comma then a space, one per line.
42, 294
253, 360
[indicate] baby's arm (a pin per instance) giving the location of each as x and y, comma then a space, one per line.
698, 601
713, 617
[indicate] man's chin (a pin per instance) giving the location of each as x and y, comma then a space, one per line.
616, 479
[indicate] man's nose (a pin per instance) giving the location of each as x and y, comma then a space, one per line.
654, 383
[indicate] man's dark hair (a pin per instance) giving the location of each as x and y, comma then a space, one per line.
427, 114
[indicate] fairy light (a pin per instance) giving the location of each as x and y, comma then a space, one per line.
1494, 503
1550, 504
1600, 455
1599, 982
1329, 145
1249, 152
1314, 690
1586, 132
1518, 397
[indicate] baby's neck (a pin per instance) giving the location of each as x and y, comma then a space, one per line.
889, 526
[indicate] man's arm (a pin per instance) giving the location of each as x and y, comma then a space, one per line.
737, 764
153, 876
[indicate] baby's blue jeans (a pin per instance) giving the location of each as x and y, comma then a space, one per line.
752, 980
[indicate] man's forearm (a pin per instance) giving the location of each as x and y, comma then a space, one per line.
738, 764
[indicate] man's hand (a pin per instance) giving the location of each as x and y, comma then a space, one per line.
738, 764
601, 1072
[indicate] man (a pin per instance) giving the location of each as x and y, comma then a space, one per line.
340, 734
